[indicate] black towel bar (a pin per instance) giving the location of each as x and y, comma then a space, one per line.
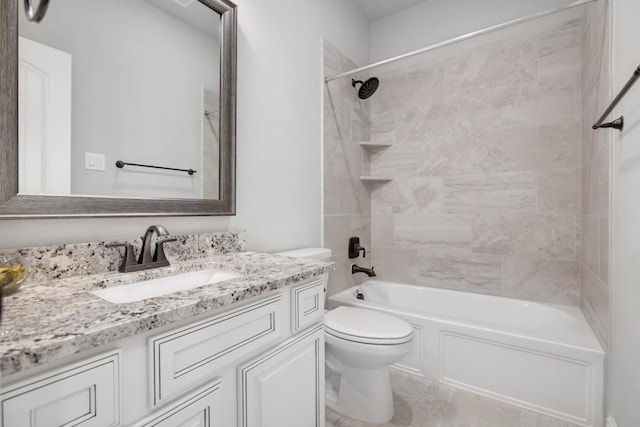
619, 122
122, 164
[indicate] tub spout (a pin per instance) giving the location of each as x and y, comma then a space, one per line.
368, 271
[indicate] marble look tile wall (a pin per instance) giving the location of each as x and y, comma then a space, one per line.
347, 204
47, 263
596, 170
487, 168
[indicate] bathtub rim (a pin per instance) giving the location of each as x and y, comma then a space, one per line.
593, 346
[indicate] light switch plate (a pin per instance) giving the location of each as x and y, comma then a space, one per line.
94, 161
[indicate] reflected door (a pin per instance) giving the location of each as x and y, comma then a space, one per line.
44, 119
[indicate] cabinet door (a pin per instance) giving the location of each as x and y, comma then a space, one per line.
201, 409
83, 394
284, 387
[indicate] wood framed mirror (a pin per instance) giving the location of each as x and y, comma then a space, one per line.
146, 120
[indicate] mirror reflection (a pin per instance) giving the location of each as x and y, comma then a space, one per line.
135, 81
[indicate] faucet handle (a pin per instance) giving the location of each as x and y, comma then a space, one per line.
159, 255
355, 248
129, 258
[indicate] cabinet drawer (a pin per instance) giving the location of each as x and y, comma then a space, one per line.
200, 409
307, 304
184, 357
83, 394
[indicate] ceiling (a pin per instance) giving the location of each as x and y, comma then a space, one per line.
376, 9
193, 13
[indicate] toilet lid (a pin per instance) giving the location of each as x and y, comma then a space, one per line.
367, 326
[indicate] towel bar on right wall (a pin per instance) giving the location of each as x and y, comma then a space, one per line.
619, 122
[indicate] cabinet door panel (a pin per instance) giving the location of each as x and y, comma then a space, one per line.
307, 304
185, 357
84, 394
284, 387
201, 409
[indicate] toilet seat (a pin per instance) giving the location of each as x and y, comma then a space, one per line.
367, 326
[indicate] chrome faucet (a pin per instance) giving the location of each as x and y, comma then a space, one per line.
368, 271
145, 259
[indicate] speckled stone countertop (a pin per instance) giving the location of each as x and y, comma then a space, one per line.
45, 322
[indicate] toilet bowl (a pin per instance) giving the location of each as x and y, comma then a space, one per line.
360, 345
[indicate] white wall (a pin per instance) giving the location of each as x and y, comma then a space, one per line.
438, 20
625, 341
280, 114
37, 232
279, 132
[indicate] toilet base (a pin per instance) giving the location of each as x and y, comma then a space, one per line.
363, 394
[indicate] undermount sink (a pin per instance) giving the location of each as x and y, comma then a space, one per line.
163, 286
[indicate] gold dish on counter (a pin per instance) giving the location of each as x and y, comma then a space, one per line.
11, 276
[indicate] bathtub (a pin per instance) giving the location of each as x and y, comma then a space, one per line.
542, 357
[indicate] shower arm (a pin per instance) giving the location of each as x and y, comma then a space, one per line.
464, 37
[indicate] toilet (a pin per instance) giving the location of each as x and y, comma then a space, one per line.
360, 345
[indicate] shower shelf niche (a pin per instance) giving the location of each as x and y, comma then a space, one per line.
366, 146
371, 178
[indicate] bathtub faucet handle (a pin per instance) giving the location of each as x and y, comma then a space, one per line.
355, 248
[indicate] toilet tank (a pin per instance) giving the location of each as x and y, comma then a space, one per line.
312, 253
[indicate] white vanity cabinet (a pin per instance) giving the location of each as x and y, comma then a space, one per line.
258, 363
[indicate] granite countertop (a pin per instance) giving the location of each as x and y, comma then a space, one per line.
45, 322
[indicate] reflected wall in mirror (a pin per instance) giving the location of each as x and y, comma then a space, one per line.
141, 84
147, 82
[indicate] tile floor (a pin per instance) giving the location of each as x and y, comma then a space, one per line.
424, 403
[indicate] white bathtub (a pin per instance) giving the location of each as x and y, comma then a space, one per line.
542, 357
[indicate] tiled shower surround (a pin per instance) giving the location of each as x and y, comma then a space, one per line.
487, 166
347, 205
596, 158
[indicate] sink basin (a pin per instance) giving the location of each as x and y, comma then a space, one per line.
163, 286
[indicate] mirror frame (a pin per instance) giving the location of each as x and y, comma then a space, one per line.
17, 206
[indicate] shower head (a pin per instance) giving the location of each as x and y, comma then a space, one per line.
367, 88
